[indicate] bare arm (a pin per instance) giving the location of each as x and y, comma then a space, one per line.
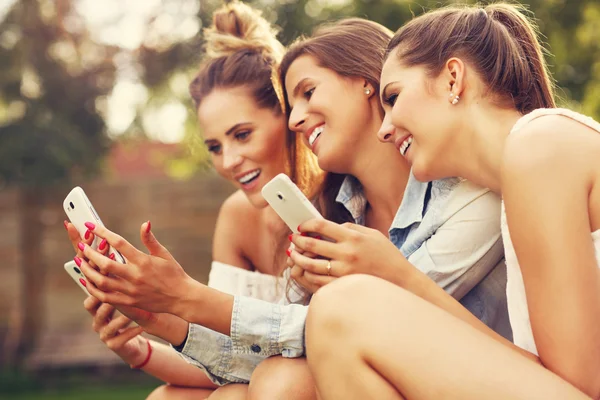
227, 246
546, 191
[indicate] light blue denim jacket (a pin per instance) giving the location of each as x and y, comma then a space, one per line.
260, 329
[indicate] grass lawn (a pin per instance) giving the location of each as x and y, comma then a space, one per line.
87, 393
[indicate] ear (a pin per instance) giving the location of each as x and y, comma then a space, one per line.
368, 89
454, 76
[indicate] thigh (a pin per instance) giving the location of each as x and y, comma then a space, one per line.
426, 353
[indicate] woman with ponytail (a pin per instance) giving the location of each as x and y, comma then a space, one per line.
469, 87
245, 130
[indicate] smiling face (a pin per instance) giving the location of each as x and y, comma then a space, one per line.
332, 113
246, 143
420, 121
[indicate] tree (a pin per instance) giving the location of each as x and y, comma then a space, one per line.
51, 78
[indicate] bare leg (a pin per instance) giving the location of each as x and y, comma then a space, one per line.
234, 391
279, 378
169, 392
367, 338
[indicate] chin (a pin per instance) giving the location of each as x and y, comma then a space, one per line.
257, 200
423, 172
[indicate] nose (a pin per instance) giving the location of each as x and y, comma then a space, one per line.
231, 159
297, 118
386, 131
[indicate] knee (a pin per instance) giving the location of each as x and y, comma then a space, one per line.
160, 393
331, 308
282, 378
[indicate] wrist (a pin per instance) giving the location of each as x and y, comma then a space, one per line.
137, 353
148, 354
191, 301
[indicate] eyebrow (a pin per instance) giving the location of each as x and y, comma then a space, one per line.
229, 131
383, 95
298, 86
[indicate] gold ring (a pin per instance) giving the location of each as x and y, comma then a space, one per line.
328, 268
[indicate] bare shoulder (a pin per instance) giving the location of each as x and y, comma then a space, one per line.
235, 215
551, 145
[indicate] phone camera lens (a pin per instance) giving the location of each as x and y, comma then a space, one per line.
279, 196
76, 270
72, 205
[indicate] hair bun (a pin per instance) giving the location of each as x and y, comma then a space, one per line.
237, 26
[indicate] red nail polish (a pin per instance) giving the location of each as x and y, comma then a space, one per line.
298, 228
66, 224
87, 234
77, 261
318, 237
148, 227
290, 237
102, 245
81, 246
288, 252
304, 234
90, 226
112, 256
83, 282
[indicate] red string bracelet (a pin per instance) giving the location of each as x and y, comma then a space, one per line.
143, 364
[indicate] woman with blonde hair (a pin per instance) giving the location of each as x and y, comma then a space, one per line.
245, 132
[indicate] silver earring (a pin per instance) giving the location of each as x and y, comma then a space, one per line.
367, 91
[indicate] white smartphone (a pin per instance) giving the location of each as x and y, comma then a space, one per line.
79, 210
289, 202
75, 273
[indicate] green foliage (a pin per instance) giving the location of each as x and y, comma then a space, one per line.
51, 76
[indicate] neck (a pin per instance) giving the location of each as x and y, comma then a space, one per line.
383, 174
477, 155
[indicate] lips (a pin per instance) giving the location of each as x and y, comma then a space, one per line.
403, 144
248, 177
313, 134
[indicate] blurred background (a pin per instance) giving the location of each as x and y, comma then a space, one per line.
94, 93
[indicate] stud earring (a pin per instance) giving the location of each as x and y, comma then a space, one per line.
367, 91
455, 100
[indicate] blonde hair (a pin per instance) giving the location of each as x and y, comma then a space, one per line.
237, 26
242, 51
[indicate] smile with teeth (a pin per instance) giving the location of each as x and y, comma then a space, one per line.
249, 177
405, 145
315, 134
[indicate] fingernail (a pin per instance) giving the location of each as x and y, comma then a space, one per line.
102, 245
304, 234
90, 226
87, 234
81, 246
66, 224
288, 252
112, 256
290, 237
83, 282
77, 261
148, 227
298, 228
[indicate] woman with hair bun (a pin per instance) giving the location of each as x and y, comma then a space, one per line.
245, 131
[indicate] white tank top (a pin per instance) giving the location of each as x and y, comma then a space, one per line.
515, 288
241, 282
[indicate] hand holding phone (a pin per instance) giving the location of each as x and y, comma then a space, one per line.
289, 202
79, 210
76, 274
